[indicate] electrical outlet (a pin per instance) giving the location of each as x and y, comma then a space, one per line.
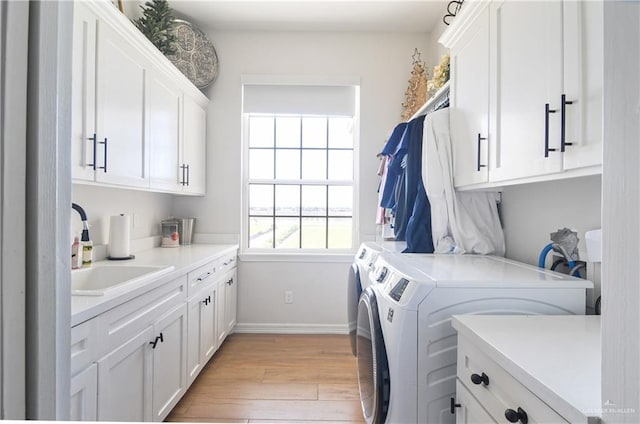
288, 296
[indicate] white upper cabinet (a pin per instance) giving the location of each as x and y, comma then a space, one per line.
120, 94
526, 71
164, 135
128, 124
83, 163
193, 158
526, 91
583, 81
469, 102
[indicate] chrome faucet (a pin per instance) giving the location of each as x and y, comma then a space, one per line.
85, 225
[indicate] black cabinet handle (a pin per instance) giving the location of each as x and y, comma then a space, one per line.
183, 168
95, 153
154, 343
563, 122
453, 406
480, 379
479, 144
547, 111
105, 154
515, 416
188, 176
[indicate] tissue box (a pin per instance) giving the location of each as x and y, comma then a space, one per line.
593, 239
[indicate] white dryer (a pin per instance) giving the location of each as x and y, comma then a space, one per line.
406, 346
358, 278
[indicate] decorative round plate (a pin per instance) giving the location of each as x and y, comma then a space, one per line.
195, 56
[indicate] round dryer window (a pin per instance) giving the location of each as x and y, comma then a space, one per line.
195, 56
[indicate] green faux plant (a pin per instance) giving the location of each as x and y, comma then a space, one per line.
157, 24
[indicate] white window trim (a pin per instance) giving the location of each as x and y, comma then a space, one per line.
255, 253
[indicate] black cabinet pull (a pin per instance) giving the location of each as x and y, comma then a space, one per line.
547, 111
184, 178
154, 343
95, 153
453, 406
515, 416
563, 122
188, 176
480, 379
105, 154
479, 144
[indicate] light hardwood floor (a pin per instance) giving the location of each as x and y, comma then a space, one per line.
258, 378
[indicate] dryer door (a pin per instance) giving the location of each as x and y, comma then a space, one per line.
354, 289
373, 369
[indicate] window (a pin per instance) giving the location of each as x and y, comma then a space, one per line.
299, 181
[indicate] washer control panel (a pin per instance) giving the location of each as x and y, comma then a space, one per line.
398, 289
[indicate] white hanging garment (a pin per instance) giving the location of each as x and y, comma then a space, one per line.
465, 222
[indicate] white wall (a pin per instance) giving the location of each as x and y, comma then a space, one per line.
530, 212
100, 203
382, 61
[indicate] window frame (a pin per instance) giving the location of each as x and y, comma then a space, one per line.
246, 181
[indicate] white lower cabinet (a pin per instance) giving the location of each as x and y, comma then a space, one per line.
135, 361
468, 410
169, 361
491, 391
124, 380
84, 395
202, 340
227, 301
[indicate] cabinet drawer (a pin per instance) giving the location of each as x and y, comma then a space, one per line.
123, 322
227, 261
199, 277
84, 349
503, 392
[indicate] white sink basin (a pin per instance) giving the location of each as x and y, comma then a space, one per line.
100, 280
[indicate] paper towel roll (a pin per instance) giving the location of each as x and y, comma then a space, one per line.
119, 235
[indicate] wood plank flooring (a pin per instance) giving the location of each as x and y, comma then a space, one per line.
263, 378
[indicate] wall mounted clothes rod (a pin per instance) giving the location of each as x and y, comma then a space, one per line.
434, 103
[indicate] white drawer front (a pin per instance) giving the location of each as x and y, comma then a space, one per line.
123, 322
199, 277
228, 262
84, 349
502, 392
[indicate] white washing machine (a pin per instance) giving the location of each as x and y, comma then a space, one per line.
358, 279
406, 346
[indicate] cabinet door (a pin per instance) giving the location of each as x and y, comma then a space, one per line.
84, 395
230, 300
192, 172
470, 103
208, 318
169, 361
120, 96
194, 337
163, 119
470, 411
83, 103
124, 380
583, 81
526, 74
221, 321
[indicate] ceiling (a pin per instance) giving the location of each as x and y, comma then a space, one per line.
312, 15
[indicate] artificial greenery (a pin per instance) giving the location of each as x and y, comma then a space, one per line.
157, 25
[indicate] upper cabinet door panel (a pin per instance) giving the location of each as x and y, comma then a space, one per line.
526, 75
470, 103
583, 81
193, 147
83, 102
163, 133
121, 115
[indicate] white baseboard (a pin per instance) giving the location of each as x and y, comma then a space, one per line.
291, 328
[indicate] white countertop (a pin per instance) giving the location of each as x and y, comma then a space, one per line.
558, 358
183, 259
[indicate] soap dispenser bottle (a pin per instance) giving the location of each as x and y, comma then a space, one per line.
76, 253
87, 253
